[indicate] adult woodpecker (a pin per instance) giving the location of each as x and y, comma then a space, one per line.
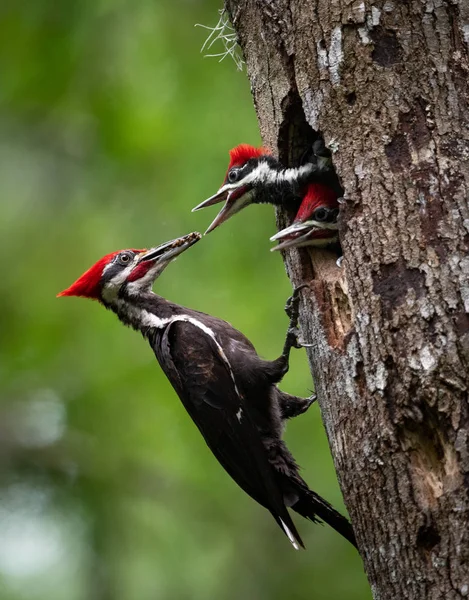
254, 176
315, 223
227, 389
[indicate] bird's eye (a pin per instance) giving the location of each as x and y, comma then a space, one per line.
233, 175
124, 258
321, 214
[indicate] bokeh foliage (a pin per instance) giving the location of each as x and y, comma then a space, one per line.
113, 127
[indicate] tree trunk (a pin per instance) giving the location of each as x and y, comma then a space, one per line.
386, 84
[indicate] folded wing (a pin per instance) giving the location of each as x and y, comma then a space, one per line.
202, 376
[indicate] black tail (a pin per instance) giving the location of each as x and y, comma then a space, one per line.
311, 506
289, 529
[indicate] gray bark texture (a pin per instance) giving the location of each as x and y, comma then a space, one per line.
385, 83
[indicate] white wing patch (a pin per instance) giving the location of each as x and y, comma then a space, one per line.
239, 414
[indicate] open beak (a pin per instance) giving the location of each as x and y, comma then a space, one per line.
226, 212
309, 233
220, 196
297, 228
293, 230
235, 200
169, 250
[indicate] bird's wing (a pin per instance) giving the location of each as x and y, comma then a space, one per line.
200, 372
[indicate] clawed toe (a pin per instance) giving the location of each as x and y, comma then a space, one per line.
308, 402
291, 306
292, 338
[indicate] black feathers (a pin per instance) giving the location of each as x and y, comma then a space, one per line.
231, 395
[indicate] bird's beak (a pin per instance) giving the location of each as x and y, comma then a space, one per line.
220, 196
292, 230
169, 250
235, 200
309, 233
299, 227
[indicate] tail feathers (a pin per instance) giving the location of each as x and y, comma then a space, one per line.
311, 506
290, 536
290, 530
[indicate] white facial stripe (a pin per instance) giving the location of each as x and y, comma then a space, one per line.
290, 175
264, 173
112, 263
111, 288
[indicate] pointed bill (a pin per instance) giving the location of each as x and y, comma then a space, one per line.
311, 237
220, 196
170, 249
288, 231
293, 242
236, 200
226, 212
297, 228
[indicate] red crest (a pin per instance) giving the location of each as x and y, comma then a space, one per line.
316, 195
242, 153
87, 286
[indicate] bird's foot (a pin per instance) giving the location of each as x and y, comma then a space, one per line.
293, 303
303, 404
292, 340
307, 402
292, 309
293, 406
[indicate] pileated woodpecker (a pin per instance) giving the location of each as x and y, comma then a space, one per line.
315, 223
227, 389
254, 176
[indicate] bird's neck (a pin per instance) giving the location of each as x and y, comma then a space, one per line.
144, 312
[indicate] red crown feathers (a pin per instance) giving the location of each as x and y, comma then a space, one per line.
87, 286
242, 153
316, 195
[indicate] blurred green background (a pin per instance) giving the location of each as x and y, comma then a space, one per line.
113, 126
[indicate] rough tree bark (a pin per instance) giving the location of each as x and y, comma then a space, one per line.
385, 83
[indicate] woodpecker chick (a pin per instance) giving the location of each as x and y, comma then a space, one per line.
228, 390
254, 176
315, 223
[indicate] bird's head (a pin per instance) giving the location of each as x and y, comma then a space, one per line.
315, 223
129, 272
248, 167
